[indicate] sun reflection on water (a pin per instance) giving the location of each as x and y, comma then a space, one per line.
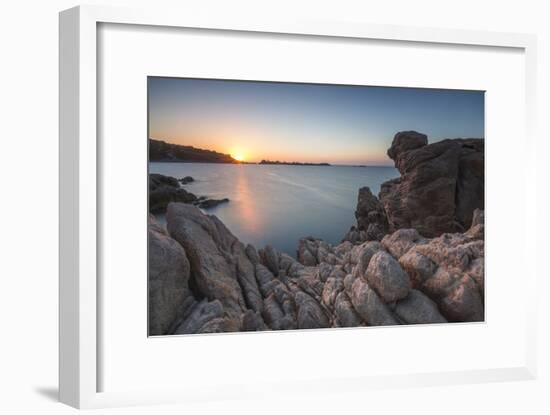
248, 211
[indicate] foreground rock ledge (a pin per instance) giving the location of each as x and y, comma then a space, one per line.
221, 285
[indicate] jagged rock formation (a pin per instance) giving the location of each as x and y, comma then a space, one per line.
168, 279
166, 189
448, 269
227, 286
441, 184
372, 223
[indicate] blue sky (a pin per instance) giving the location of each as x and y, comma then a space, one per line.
306, 122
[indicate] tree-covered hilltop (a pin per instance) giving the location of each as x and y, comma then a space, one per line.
163, 151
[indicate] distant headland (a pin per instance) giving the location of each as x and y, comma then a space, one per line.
292, 163
163, 151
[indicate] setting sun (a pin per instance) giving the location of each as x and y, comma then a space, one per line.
238, 157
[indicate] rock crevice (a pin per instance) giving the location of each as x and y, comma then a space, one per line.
404, 279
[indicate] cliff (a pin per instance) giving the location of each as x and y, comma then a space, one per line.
440, 187
441, 184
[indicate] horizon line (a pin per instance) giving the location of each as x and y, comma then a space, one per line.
258, 160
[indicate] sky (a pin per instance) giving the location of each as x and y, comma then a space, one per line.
337, 124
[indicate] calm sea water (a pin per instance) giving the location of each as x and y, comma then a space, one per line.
278, 205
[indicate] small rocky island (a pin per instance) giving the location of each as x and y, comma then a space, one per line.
415, 256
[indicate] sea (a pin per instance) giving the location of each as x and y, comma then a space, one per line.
279, 204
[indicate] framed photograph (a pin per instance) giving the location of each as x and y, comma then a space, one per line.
252, 209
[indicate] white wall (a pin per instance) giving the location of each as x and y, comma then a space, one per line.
28, 168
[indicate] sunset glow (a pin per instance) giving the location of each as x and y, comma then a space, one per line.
312, 123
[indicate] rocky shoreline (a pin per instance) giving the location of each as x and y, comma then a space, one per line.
202, 279
164, 190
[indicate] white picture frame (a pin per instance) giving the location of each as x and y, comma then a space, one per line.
79, 362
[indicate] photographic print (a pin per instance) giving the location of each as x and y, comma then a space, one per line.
290, 206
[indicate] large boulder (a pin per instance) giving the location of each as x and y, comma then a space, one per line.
405, 141
169, 272
211, 249
369, 306
202, 317
387, 278
419, 267
364, 254
417, 308
441, 184
345, 314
